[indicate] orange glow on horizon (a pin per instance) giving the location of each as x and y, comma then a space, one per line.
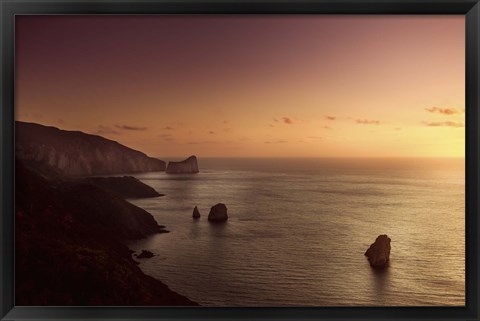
249, 86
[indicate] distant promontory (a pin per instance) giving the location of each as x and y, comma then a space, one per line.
186, 166
75, 153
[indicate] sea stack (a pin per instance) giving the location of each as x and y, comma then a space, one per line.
187, 166
196, 213
379, 252
218, 213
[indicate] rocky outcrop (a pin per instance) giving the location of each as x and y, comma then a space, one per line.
145, 255
379, 252
196, 213
218, 213
76, 153
186, 166
70, 247
126, 186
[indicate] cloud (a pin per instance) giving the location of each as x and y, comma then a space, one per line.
167, 128
128, 127
444, 111
280, 141
397, 128
106, 130
367, 122
327, 127
211, 132
443, 124
225, 122
167, 137
314, 137
330, 117
287, 120
201, 142
164, 135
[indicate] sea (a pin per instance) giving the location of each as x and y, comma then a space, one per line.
298, 229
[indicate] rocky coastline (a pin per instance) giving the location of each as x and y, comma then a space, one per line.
75, 153
71, 248
71, 233
126, 186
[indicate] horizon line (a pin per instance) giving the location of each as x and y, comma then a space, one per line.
318, 157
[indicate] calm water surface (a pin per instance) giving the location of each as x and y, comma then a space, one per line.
298, 229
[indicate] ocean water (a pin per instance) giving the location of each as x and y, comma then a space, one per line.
298, 229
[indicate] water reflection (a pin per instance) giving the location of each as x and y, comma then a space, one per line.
381, 280
218, 229
286, 227
195, 229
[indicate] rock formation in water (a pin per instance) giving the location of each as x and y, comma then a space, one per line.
218, 213
76, 153
145, 255
379, 252
196, 213
126, 186
186, 166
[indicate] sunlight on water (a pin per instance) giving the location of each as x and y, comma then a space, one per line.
298, 230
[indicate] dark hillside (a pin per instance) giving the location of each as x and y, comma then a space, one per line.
70, 246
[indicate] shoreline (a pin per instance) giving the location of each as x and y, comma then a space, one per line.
74, 233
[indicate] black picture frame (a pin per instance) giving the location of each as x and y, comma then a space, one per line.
10, 8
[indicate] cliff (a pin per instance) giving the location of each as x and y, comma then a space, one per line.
77, 153
125, 187
188, 165
70, 247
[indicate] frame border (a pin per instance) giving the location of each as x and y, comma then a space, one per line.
10, 8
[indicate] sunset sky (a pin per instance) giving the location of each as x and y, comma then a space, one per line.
246, 86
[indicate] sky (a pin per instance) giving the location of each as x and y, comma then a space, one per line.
249, 86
